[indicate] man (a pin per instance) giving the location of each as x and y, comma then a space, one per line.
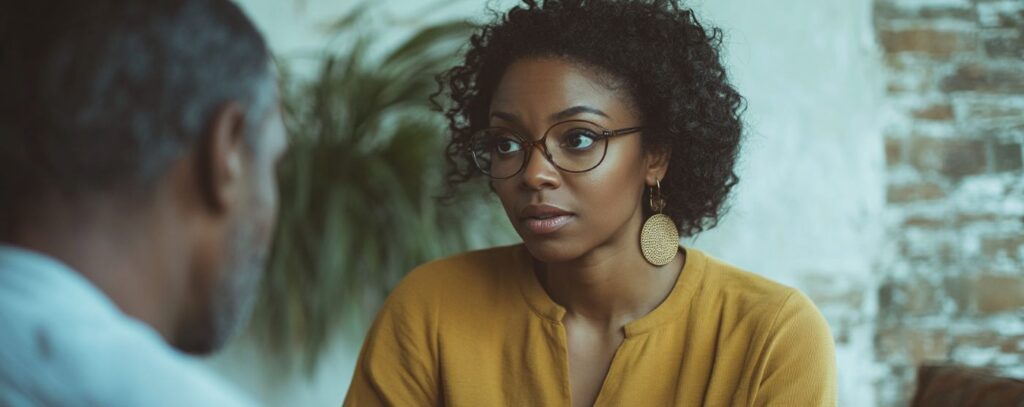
138, 143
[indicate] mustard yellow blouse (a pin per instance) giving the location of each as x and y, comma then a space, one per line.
479, 330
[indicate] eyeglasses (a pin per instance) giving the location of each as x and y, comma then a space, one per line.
572, 146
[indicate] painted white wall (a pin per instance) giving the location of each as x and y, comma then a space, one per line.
811, 194
807, 211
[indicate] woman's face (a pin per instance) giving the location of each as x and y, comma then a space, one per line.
563, 216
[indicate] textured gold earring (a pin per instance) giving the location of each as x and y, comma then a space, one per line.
659, 238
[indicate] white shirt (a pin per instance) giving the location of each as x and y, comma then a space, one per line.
64, 343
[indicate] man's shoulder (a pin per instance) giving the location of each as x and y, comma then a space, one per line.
66, 344
57, 361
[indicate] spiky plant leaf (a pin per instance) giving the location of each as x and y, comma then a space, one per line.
359, 187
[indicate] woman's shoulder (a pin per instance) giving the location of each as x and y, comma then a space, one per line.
796, 345
472, 262
751, 294
462, 277
727, 280
477, 266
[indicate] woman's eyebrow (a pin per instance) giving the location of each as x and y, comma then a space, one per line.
575, 110
562, 115
506, 116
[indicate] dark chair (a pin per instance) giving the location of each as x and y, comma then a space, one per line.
949, 386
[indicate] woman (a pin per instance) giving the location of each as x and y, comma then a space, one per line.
607, 129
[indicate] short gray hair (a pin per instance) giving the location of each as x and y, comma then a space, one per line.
109, 93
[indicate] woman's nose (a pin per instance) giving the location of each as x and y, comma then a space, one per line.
539, 172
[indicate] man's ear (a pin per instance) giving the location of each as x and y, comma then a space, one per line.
221, 160
656, 163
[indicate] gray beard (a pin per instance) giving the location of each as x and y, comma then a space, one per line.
235, 297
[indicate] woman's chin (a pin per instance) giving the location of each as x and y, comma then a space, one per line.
552, 250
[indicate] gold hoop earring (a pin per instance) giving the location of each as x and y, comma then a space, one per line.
659, 237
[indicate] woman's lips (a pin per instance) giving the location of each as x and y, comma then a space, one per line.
544, 226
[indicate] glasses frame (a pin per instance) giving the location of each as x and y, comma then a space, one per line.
542, 146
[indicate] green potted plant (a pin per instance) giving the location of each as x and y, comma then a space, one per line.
360, 187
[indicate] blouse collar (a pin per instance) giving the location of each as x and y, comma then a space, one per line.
678, 300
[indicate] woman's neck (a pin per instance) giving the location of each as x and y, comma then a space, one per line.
611, 285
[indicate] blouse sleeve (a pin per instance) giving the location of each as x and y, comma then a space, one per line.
398, 363
800, 366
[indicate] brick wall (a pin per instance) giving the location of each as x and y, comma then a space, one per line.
952, 268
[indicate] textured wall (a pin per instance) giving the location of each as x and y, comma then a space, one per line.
952, 287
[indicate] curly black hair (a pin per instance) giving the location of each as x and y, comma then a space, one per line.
668, 62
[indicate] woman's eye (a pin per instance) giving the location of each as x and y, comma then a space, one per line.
579, 140
507, 146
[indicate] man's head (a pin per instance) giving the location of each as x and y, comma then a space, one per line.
168, 104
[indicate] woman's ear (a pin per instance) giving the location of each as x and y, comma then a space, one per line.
656, 164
